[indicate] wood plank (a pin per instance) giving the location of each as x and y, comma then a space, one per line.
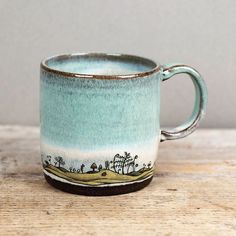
193, 192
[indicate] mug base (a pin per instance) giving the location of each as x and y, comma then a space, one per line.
97, 191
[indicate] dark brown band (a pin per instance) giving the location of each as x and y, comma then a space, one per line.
97, 191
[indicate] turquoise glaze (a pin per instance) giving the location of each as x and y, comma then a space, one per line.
91, 114
100, 116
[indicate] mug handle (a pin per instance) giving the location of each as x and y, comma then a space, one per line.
200, 101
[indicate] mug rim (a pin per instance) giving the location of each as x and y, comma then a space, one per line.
155, 66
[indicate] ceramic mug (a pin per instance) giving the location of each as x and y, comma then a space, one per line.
100, 120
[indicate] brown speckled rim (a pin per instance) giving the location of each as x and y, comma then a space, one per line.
126, 57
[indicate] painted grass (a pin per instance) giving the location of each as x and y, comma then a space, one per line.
97, 178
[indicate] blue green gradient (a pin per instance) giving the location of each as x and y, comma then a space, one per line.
94, 113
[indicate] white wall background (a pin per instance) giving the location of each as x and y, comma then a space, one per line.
199, 33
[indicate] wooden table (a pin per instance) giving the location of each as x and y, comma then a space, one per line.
193, 192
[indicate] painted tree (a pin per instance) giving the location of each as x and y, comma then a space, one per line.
100, 167
49, 158
111, 165
93, 166
59, 160
127, 162
82, 168
123, 163
46, 163
134, 164
116, 162
124, 159
120, 162
107, 165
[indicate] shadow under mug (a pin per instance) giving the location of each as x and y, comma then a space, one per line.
100, 120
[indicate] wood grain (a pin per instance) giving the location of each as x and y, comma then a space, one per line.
193, 192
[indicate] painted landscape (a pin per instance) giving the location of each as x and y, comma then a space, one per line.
123, 168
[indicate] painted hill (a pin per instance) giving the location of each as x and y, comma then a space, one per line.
98, 178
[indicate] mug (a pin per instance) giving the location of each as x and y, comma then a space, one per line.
100, 120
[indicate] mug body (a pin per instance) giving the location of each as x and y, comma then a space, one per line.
99, 117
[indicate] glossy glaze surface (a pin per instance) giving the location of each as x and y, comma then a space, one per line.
100, 126
99, 132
